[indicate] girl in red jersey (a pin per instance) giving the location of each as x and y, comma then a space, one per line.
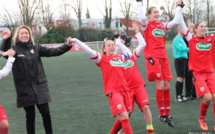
135, 81
115, 85
200, 64
157, 64
4, 127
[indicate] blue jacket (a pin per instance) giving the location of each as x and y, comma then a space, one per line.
180, 48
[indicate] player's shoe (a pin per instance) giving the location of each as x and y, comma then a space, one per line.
138, 0
180, 98
170, 121
162, 117
121, 131
203, 125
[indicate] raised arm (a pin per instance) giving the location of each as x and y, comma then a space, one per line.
7, 68
96, 57
185, 30
175, 20
141, 15
142, 44
126, 52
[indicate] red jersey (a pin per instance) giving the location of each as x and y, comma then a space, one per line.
213, 54
155, 39
113, 74
132, 74
200, 54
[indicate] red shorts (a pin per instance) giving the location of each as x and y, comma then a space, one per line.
204, 83
158, 69
140, 96
119, 102
2, 114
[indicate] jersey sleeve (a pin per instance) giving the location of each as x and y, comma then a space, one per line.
96, 57
142, 44
141, 16
126, 52
185, 30
175, 20
7, 68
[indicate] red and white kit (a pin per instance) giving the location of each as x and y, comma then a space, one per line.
157, 64
133, 76
115, 85
201, 61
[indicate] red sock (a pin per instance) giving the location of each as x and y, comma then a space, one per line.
203, 110
126, 126
116, 127
160, 100
167, 101
4, 130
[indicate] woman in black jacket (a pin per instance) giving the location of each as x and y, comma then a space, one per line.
29, 76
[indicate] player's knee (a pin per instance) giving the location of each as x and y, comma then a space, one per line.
145, 108
123, 116
207, 99
166, 85
4, 125
180, 79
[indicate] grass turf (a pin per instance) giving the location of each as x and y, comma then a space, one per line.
79, 105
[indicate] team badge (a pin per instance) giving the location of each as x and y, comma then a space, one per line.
158, 75
209, 40
162, 25
202, 89
32, 51
119, 106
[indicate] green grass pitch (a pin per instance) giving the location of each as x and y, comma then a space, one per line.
79, 105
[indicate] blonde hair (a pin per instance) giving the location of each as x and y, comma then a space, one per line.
15, 37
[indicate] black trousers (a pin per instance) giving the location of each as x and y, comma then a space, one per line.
30, 118
182, 70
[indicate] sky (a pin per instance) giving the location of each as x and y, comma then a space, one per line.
93, 5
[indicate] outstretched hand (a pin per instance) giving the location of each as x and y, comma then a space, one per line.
180, 3
69, 42
6, 34
136, 26
9, 52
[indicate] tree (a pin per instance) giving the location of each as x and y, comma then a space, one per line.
168, 7
46, 15
107, 4
77, 7
10, 19
88, 13
126, 11
28, 9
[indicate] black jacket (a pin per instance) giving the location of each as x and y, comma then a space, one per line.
28, 72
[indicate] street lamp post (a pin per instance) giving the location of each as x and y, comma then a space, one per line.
195, 17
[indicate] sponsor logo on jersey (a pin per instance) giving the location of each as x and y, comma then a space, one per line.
158, 33
202, 89
158, 75
116, 63
119, 106
203, 46
32, 51
128, 64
